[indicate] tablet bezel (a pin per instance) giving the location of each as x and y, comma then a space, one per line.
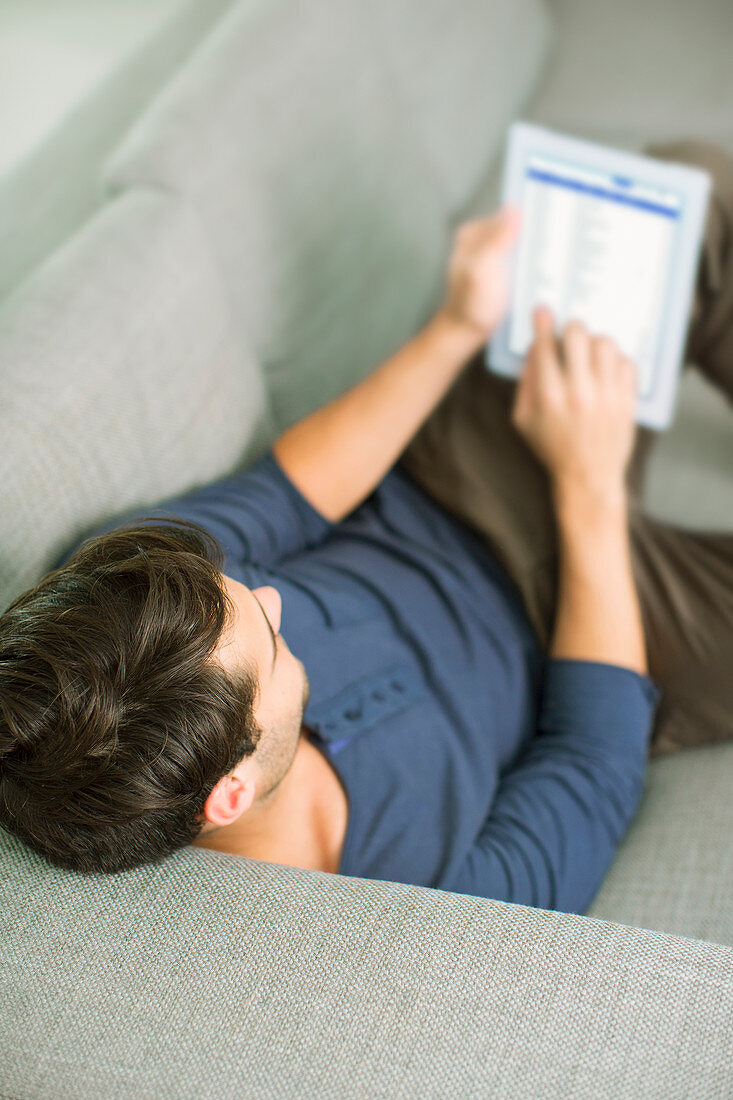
656, 409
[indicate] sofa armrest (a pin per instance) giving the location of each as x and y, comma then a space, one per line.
256, 979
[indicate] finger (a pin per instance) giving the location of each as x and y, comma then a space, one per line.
630, 375
576, 352
525, 396
632, 371
544, 346
614, 370
499, 230
528, 375
604, 353
605, 359
543, 323
548, 370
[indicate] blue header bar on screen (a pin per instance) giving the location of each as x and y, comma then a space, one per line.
543, 176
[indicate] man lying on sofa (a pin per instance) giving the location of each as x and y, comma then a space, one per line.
407, 723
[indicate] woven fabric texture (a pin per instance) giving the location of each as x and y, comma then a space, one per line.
330, 221
463, 71
321, 152
124, 382
131, 50
222, 976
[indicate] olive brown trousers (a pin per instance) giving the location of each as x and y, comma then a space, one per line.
471, 459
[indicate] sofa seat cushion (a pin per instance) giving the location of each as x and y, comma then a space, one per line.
124, 382
674, 868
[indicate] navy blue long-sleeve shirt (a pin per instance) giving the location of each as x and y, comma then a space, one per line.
472, 762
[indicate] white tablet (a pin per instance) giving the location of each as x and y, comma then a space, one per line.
610, 238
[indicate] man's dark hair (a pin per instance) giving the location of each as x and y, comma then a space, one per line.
115, 719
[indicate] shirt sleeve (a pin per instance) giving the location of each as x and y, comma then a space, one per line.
564, 806
257, 515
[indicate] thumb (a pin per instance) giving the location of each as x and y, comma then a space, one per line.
506, 225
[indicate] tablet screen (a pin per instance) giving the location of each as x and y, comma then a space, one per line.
598, 247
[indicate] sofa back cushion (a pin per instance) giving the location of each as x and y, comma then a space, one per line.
464, 69
323, 171
124, 382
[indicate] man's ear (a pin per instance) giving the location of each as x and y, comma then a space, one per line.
229, 799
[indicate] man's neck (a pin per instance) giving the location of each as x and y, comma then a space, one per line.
287, 826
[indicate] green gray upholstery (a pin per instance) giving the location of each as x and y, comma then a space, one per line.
125, 381
332, 235
223, 977
74, 75
627, 74
277, 223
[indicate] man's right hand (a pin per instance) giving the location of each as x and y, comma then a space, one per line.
575, 406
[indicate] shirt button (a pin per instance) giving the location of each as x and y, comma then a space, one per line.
352, 714
379, 696
397, 686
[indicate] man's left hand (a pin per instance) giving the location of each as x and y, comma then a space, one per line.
478, 291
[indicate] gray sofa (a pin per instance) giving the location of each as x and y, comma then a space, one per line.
276, 223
